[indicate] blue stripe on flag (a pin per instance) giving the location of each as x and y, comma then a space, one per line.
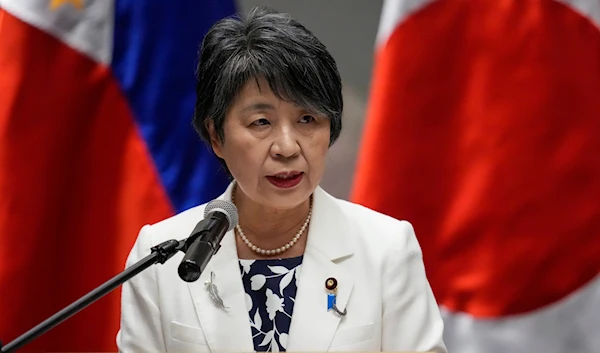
155, 51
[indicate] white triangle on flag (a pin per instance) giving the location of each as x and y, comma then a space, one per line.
85, 25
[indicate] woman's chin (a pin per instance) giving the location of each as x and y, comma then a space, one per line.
288, 200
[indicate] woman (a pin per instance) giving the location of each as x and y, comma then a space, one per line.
302, 271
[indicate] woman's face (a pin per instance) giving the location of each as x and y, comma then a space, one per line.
274, 149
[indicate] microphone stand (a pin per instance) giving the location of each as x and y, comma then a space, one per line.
160, 254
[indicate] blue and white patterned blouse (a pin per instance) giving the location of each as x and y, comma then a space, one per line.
270, 287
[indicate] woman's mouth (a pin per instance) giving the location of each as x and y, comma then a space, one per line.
286, 180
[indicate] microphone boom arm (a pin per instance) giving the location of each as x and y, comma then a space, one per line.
220, 216
160, 254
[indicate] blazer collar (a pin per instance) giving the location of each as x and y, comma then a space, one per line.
225, 329
313, 326
327, 231
328, 227
328, 245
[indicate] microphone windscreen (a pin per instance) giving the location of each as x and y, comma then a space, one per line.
225, 207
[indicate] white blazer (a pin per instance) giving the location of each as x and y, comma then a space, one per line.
375, 258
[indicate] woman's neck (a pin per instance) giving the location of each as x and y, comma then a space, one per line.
269, 227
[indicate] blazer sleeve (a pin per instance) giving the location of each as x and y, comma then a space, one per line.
411, 318
141, 328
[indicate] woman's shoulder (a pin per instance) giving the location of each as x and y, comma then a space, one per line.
374, 227
367, 215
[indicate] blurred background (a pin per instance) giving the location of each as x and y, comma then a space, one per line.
476, 121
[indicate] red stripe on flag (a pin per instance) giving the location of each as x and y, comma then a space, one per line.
76, 184
482, 131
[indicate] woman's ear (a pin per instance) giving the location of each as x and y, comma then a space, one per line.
215, 142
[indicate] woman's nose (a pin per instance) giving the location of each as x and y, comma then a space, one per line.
285, 144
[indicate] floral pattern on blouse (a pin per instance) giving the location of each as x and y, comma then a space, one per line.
270, 287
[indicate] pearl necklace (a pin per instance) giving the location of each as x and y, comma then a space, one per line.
275, 251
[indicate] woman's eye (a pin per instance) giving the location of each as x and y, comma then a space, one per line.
261, 122
307, 119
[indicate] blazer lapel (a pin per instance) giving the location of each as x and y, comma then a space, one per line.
313, 326
225, 329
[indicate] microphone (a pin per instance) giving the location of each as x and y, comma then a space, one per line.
220, 216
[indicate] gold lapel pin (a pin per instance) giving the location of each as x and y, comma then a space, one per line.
331, 285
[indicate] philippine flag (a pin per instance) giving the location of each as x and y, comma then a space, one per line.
96, 101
